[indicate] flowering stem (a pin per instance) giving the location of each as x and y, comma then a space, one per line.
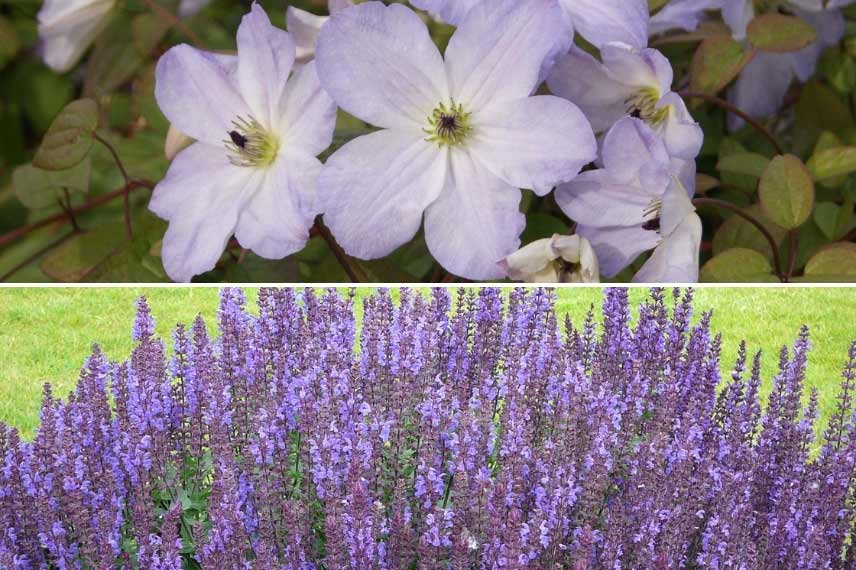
8, 238
735, 111
749, 218
354, 272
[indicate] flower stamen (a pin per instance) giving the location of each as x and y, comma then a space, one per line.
448, 125
643, 105
250, 144
652, 213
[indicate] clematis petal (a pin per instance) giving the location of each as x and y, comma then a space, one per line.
374, 190
304, 28
594, 200
475, 222
681, 134
450, 11
197, 93
68, 27
631, 147
676, 206
675, 260
760, 89
379, 64
265, 58
497, 52
536, 142
201, 197
275, 222
307, 113
829, 25
601, 21
737, 15
334, 6
616, 248
583, 80
638, 67
681, 15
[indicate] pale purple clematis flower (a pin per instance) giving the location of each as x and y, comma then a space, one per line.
598, 21
252, 171
304, 27
760, 89
629, 81
559, 259
68, 27
459, 136
681, 15
636, 203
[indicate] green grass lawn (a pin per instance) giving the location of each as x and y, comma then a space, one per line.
45, 334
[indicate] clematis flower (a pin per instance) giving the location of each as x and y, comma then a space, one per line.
459, 137
629, 81
761, 87
304, 27
560, 259
681, 15
252, 171
636, 203
598, 21
68, 27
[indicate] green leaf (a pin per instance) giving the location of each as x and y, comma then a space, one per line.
37, 188
738, 265
780, 33
837, 260
828, 141
787, 192
834, 220
819, 109
832, 162
840, 70
738, 232
69, 138
749, 163
540, 226
104, 254
10, 43
717, 61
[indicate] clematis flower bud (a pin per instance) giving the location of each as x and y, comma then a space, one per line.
68, 27
559, 259
176, 141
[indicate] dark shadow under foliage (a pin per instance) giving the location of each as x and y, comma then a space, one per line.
462, 435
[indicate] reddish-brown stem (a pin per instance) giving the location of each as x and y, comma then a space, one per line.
793, 247
749, 218
126, 199
355, 273
37, 254
175, 21
735, 111
15, 234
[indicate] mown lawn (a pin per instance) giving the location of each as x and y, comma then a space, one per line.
45, 334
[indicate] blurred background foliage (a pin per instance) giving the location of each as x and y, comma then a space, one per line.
87, 223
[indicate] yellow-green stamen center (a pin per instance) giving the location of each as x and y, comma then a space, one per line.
448, 125
643, 105
250, 144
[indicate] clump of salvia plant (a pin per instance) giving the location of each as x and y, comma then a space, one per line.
465, 434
